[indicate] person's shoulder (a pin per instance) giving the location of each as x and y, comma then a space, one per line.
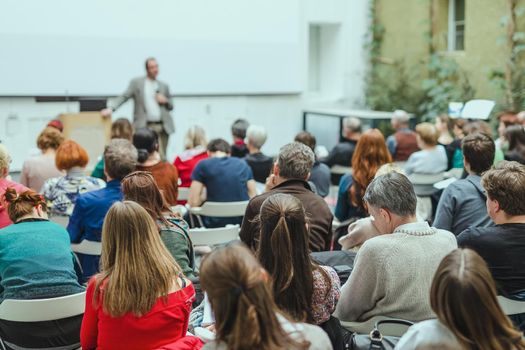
314, 334
428, 333
474, 234
137, 80
346, 181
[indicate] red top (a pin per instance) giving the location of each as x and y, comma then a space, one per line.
167, 178
185, 164
4, 185
164, 324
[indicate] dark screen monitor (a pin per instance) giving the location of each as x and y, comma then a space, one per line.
92, 104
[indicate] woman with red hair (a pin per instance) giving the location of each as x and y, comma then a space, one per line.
369, 155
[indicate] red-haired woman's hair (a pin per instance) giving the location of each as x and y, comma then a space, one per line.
21, 204
70, 154
369, 155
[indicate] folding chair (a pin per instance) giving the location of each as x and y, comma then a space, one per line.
511, 307
340, 170
219, 209
60, 220
184, 193
214, 236
87, 247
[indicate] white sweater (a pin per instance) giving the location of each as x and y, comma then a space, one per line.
429, 334
393, 273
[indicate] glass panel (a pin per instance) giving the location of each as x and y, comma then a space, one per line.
459, 10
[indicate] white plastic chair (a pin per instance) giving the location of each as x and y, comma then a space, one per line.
394, 330
184, 193
340, 170
214, 236
424, 183
219, 209
60, 220
38, 310
511, 307
87, 247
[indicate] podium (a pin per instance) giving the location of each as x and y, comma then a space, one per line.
90, 130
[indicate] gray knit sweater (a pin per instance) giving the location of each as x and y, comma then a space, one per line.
393, 274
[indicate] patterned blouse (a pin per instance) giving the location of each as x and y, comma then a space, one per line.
61, 192
326, 294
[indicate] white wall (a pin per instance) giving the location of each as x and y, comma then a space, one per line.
21, 118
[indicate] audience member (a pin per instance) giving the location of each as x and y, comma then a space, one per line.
194, 151
444, 127
306, 291
393, 271
37, 169
120, 129
454, 154
290, 175
505, 119
239, 149
141, 187
462, 204
463, 296
36, 262
146, 141
515, 135
342, 153
5, 183
246, 316
226, 179
370, 154
432, 159
481, 126
120, 159
320, 173
260, 163
403, 142
140, 299
61, 192
502, 245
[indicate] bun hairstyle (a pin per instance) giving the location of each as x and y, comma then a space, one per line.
146, 141
21, 204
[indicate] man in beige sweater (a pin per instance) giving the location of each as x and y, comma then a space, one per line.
394, 271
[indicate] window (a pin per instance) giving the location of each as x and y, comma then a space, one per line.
456, 25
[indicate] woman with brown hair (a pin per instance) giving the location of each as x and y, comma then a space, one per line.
140, 299
37, 169
463, 296
246, 316
36, 262
444, 127
141, 187
369, 155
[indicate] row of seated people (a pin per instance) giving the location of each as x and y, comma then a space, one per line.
410, 270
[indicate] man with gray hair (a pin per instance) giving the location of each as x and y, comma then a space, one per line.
260, 163
120, 159
403, 142
393, 272
290, 175
342, 153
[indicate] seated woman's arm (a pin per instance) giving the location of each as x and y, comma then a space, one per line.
343, 201
89, 329
178, 245
195, 196
75, 227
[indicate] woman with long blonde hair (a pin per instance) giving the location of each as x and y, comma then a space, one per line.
463, 296
140, 299
246, 317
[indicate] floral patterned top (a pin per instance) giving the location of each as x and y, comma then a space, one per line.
326, 294
61, 192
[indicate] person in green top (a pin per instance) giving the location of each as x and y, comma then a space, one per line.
141, 187
36, 262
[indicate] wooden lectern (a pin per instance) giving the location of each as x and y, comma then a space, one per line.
91, 130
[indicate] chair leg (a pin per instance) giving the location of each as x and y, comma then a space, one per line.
200, 221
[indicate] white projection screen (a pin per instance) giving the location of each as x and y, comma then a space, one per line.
93, 48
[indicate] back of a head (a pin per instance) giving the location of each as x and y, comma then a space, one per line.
394, 192
131, 247
478, 150
256, 136
49, 138
141, 187
70, 155
352, 124
478, 126
463, 296
122, 129
306, 138
146, 141
239, 128
218, 145
195, 136
428, 133
505, 183
400, 117
515, 134
120, 158
295, 161
242, 301
22, 204
508, 118
283, 252
5, 159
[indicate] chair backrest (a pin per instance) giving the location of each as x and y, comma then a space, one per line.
184, 193
424, 183
221, 209
511, 307
38, 310
340, 170
394, 330
87, 247
60, 220
213, 236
